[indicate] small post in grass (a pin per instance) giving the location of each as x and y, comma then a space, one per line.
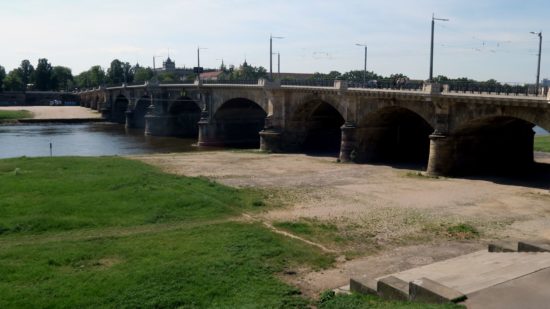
51, 154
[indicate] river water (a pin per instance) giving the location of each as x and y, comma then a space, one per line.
89, 139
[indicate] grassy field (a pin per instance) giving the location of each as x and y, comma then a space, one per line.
542, 143
6, 116
116, 233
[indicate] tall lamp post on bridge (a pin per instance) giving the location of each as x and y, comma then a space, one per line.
199, 61
365, 67
539, 34
432, 46
278, 64
271, 37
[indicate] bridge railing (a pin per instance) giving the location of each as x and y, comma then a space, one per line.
308, 82
230, 82
495, 89
393, 84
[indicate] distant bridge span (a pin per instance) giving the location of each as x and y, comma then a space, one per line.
452, 133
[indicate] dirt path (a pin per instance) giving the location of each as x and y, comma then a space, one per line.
381, 217
56, 112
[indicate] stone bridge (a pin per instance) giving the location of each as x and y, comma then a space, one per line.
450, 133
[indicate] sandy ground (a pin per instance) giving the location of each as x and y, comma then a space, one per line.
56, 112
391, 218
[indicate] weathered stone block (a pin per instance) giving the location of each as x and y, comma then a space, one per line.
429, 291
363, 286
393, 288
531, 247
502, 247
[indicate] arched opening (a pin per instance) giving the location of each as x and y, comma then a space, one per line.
140, 111
321, 124
394, 135
497, 144
238, 123
119, 109
186, 115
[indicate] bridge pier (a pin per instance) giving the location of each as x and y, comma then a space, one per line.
441, 158
208, 134
270, 140
159, 125
348, 152
130, 123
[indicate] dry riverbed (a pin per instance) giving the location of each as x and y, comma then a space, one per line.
379, 219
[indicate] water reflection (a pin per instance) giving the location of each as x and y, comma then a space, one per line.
91, 139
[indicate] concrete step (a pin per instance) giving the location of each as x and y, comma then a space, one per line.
455, 279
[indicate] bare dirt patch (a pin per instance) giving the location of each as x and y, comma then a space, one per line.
379, 217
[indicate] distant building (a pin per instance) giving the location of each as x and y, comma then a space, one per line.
169, 66
214, 75
546, 82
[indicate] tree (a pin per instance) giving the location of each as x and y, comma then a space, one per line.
43, 75
120, 72
2, 77
142, 74
26, 72
62, 78
13, 81
245, 72
167, 77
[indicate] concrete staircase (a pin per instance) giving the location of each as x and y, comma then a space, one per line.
454, 280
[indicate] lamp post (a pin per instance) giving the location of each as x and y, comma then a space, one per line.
278, 64
199, 61
539, 34
271, 37
432, 46
365, 67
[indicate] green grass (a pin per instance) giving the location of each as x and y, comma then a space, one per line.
14, 115
356, 301
53, 194
542, 143
117, 233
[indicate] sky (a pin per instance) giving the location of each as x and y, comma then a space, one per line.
483, 39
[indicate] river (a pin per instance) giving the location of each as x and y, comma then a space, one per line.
88, 139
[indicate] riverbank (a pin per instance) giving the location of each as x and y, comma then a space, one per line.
11, 116
56, 113
110, 232
542, 143
379, 219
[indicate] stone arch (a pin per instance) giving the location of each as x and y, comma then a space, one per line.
185, 113
394, 134
238, 122
221, 98
492, 143
315, 125
462, 114
140, 110
120, 105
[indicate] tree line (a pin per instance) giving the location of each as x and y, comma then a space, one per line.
46, 77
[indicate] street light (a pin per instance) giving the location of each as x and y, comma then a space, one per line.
199, 61
271, 37
539, 34
278, 64
432, 46
365, 68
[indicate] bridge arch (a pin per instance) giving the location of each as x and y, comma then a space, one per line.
393, 134
185, 113
494, 144
120, 105
316, 125
238, 122
140, 110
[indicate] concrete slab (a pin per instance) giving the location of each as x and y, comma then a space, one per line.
429, 291
527, 292
479, 270
393, 288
